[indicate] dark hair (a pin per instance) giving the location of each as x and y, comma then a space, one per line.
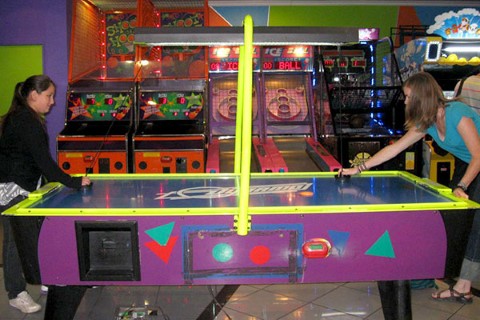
425, 98
38, 83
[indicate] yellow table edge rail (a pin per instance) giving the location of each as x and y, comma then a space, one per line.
23, 208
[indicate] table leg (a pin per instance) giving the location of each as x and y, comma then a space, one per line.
63, 301
396, 299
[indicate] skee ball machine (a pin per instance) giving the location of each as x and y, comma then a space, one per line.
101, 92
288, 107
223, 101
169, 132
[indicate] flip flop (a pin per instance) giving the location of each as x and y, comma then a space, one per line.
455, 296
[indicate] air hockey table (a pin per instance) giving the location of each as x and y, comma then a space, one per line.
181, 229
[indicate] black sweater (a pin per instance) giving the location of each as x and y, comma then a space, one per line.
25, 156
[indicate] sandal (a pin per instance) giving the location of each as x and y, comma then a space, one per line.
464, 298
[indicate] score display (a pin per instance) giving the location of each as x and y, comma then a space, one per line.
288, 58
344, 62
283, 65
225, 59
282, 58
181, 100
224, 66
106, 101
344, 59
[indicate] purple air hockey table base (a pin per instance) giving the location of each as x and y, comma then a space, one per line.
205, 250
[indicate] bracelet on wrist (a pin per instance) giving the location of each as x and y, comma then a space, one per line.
363, 166
462, 186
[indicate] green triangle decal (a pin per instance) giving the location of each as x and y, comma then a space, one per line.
161, 234
382, 247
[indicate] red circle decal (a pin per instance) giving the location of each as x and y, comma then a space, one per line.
260, 255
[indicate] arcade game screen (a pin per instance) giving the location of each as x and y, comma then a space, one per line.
98, 106
170, 106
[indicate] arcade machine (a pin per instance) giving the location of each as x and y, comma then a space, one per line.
365, 103
169, 132
101, 92
288, 107
223, 69
96, 133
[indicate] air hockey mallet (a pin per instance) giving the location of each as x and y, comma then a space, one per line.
342, 178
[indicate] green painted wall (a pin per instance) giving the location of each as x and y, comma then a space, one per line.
17, 64
383, 17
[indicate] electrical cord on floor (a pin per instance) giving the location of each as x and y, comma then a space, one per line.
217, 303
165, 317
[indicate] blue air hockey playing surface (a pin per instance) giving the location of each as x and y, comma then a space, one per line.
181, 229
219, 195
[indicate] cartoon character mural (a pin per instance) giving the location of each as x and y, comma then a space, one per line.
457, 25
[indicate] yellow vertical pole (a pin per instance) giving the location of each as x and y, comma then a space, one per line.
246, 65
239, 114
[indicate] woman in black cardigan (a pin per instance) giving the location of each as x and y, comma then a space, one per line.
26, 163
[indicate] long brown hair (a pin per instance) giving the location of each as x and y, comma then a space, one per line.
38, 83
426, 96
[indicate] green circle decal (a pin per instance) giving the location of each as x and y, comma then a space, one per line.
222, 252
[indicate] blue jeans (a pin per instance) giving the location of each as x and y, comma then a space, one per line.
471, 263
12, 266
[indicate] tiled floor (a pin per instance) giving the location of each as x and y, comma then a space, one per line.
346, 301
